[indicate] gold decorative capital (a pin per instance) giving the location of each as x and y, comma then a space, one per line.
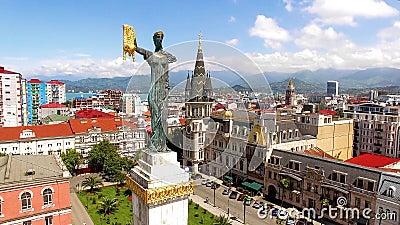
161, 193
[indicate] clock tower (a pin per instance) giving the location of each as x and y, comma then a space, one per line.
198, 96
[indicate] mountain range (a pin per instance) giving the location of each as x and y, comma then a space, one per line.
305, 81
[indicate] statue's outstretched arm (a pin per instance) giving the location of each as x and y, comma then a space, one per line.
145, 53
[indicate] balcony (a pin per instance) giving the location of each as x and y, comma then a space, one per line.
379, 129
378, 144
378, 137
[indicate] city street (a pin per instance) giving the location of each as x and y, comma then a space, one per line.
235, 206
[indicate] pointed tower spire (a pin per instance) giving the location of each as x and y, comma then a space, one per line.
199, 69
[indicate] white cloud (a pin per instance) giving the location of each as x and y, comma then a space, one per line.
390, 32
343, 12
313, 36
232, 19
270, 31
88, 67
232, 41
288, 5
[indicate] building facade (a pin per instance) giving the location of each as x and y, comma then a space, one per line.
198, 95
334, 135
131, 105
55, 92
36, 140
34, 190
316, 182
388, 200
10, 98
332, 88
36, 97
376, 129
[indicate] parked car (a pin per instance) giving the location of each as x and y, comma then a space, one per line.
241, 197
196, 176
264, 211
233, 195
248, 201
257, 205
226, 191
209, 184
283, 214
290, 221
274, 212
204, 182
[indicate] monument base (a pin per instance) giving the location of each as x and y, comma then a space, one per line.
160, 190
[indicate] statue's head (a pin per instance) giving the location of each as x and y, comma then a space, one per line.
157, 38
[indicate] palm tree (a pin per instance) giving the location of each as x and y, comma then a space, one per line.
108, 205
222, 220
92, 182
285, 184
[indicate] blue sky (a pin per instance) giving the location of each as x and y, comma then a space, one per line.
84, 37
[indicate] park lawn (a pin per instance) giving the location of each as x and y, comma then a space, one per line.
123, 215
207, 217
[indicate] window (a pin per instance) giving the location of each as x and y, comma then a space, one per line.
48, 220
26, 201
367, 204
390, 192
1, 206
358, 202
370, 186
47, 196
27, 222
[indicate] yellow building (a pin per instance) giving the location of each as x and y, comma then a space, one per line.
334, 135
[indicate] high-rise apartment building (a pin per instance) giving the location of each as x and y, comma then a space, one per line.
376, 128
36, 90
10, 98
332, 88
55, 92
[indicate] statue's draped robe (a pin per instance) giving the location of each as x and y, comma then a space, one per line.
157, 98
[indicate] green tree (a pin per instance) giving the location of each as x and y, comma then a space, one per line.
325, 202
2, 154
101, 153
108, 206
72, 159
284, 184
222, 220
92, 182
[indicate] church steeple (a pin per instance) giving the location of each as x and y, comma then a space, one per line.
290, 95
199, 69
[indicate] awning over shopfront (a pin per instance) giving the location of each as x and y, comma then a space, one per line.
254, 185
228, 178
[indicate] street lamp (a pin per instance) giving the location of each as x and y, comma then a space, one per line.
244, 209
214, 187
228, 198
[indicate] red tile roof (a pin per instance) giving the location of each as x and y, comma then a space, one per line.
327, 112
41, 131
55, 82
372, 160
53, 105
2, 70
318, 152
34, 81
91, 113
105, 124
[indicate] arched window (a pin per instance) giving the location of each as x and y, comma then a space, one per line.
26, 200
47, 196
390, 192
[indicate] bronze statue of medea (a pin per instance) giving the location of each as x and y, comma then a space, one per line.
157, 98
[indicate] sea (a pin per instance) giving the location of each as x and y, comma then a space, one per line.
70, 96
